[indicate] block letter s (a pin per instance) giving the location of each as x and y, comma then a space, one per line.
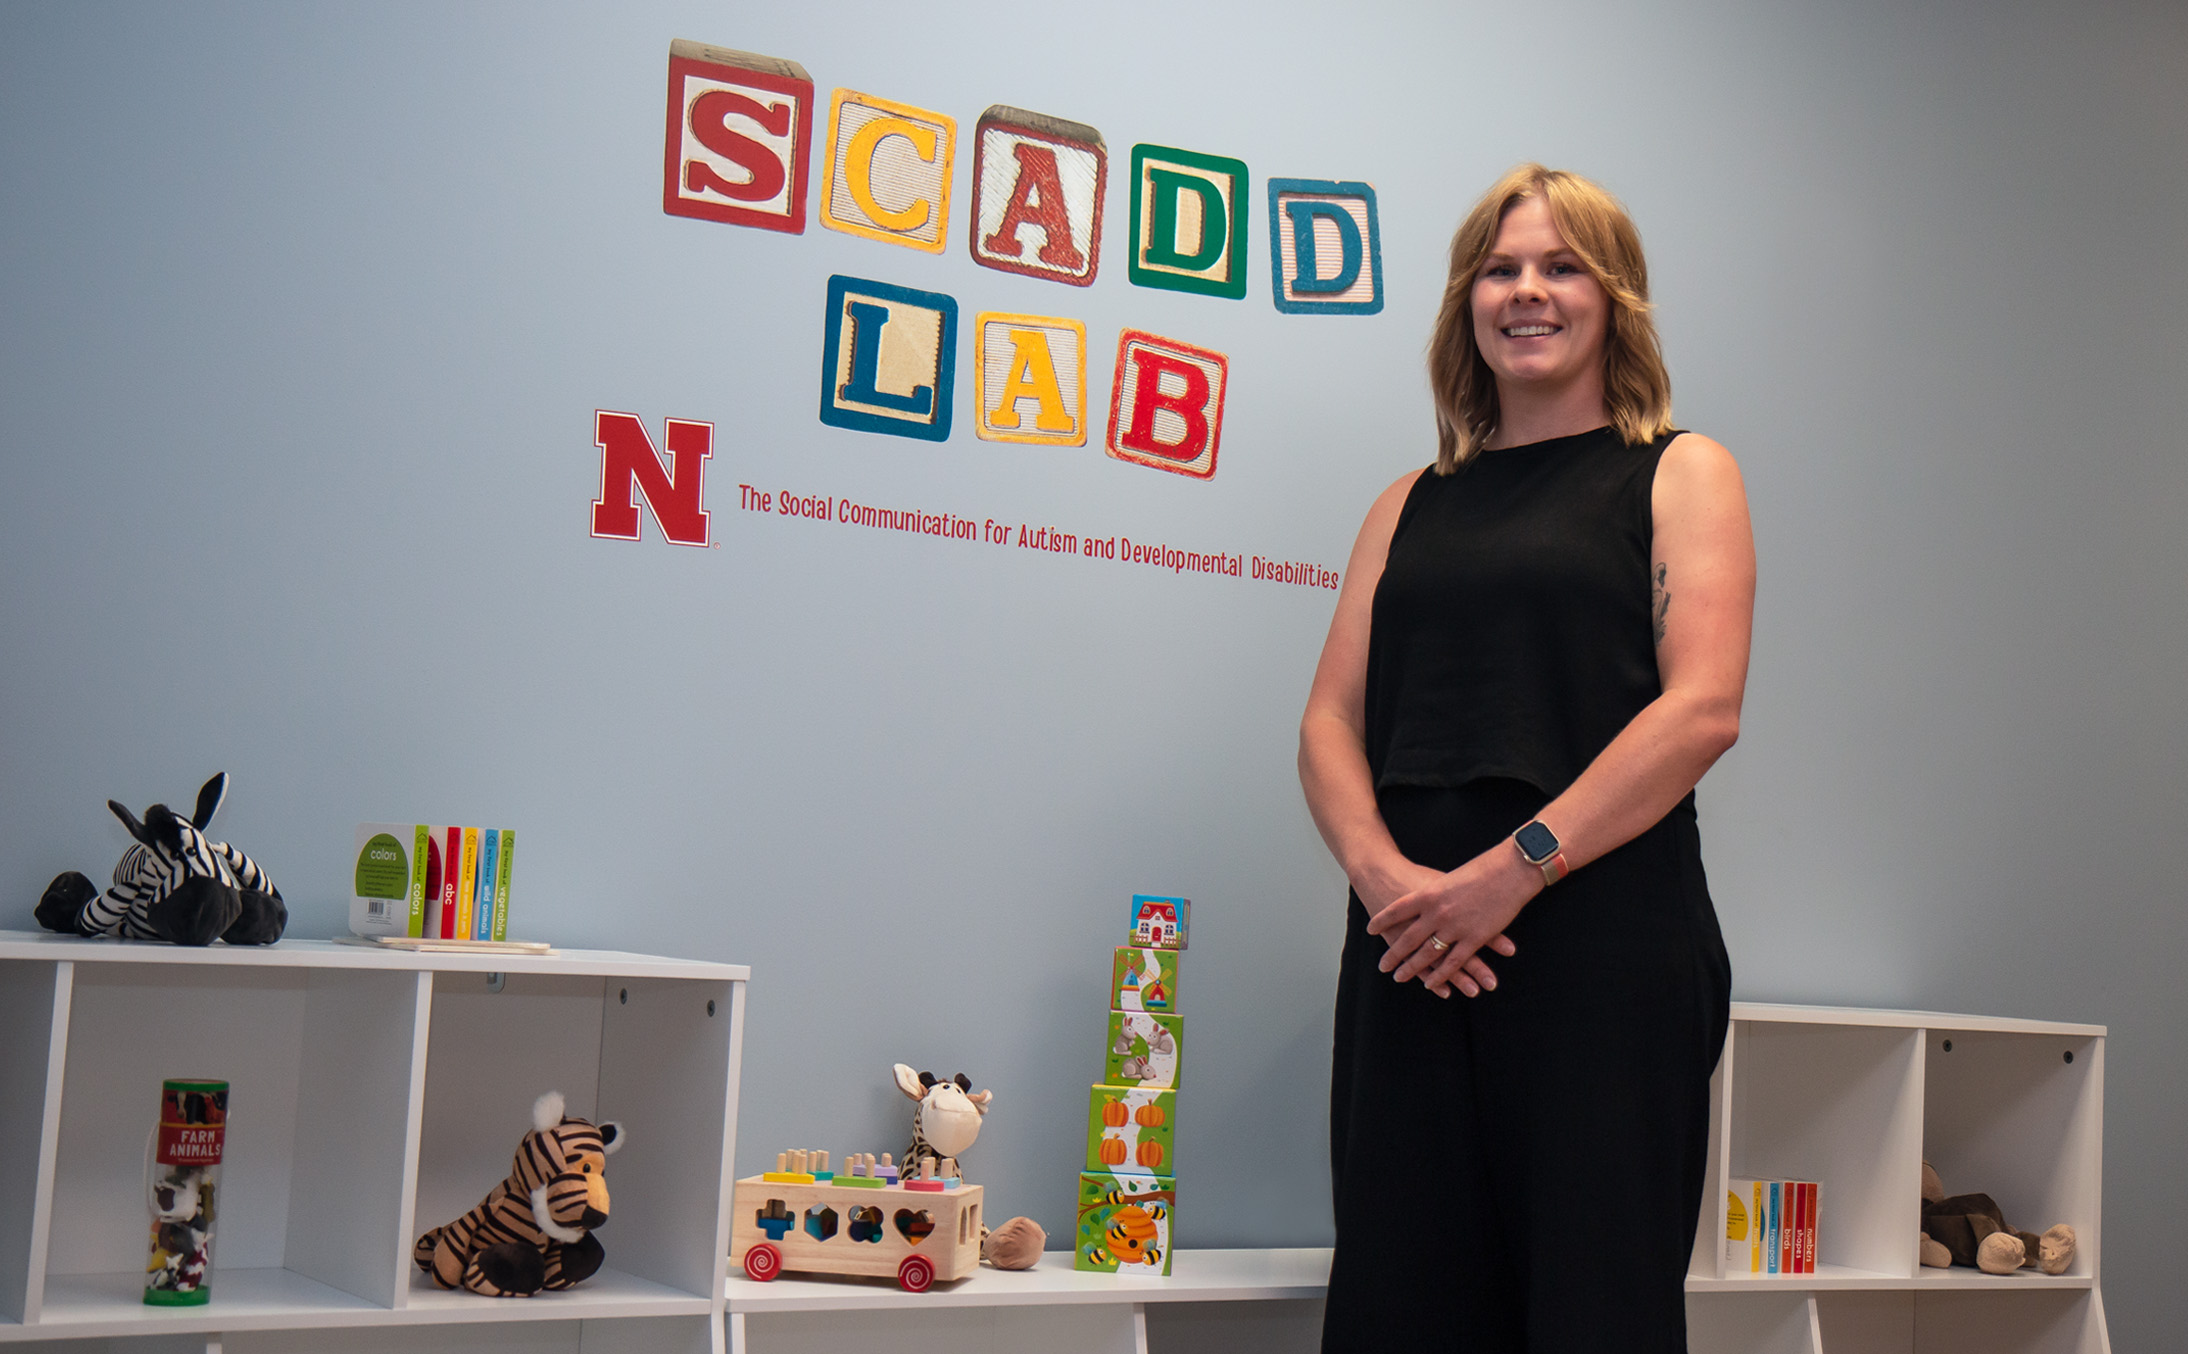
709, 114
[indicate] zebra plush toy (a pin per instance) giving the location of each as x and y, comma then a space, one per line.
534, 1231
176, 884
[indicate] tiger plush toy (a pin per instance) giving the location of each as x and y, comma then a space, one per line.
535, 1230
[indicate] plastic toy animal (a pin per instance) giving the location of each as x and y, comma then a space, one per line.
946, 1119
534, 1231
176, 884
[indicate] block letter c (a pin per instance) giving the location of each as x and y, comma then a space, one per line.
858, 169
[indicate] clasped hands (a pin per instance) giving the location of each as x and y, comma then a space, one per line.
1467, 908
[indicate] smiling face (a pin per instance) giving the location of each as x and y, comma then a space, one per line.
1540, 317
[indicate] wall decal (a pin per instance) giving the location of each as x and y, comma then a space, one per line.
740, 134
1166, 404
889, 361
1037, 189
1325, 247
1031, 379
629, 463
888, 171
1188, 221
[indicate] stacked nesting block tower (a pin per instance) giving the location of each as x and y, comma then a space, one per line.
1128, 1182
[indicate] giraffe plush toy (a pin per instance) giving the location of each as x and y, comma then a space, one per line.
945, 1118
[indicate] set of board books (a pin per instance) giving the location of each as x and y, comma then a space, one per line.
1128, 1181
432, 881
1770, 1226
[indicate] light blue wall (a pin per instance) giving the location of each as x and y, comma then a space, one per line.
307, 310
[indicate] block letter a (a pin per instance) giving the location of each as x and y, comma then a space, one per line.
628, 462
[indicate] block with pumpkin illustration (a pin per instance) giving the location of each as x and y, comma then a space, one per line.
1131, 1130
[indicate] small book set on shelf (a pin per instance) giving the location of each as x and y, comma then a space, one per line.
1128, 1182
423, 881
1770, 1226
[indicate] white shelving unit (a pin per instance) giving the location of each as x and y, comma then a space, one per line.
377, 1094
374, 1094
1851, 1098
1857, 1100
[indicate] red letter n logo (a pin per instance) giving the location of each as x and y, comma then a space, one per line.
629, 463
1167, 404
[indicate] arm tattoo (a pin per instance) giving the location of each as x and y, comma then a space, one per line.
1659, 601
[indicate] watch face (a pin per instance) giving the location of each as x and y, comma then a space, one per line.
1538, 842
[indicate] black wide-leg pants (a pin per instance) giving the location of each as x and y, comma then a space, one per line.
1523, 1170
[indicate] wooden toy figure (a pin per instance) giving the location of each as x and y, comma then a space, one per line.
855, 1224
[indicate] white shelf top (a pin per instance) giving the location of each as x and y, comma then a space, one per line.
1247, 1275
51, 945
1906, 1020
1845, 1278
79, 1306
1195, 1276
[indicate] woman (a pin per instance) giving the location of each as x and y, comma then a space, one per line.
1540, 646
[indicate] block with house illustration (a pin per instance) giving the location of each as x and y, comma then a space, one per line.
1131, 1130
1160, 923
1144, 980
1144, 1049
1123, 1223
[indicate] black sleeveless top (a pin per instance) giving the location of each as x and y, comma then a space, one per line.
1511, 631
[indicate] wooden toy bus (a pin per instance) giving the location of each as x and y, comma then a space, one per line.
918, 1231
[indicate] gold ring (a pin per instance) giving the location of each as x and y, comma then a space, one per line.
1438, 944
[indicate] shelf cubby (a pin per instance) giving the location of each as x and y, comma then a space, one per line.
1857, 1100
2018, 1115
373, 1095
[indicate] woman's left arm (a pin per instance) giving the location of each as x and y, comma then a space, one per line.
1702, 599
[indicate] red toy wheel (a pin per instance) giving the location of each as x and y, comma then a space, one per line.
916, 1274
763, 1263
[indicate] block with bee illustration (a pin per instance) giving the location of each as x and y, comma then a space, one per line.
1144, 1049
1123, 1223
1131, 1130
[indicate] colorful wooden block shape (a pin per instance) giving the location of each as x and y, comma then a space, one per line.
1144, 1049
1037, 189
1161, 923
889, 359
1124, 1223
1031, 381
1144, 980
1188, 221
888, 171
1166, 404
740, 135
1325, 247
1131, 1130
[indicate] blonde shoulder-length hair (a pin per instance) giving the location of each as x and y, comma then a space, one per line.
1636, 389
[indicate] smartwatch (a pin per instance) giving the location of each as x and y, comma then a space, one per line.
1539, 847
